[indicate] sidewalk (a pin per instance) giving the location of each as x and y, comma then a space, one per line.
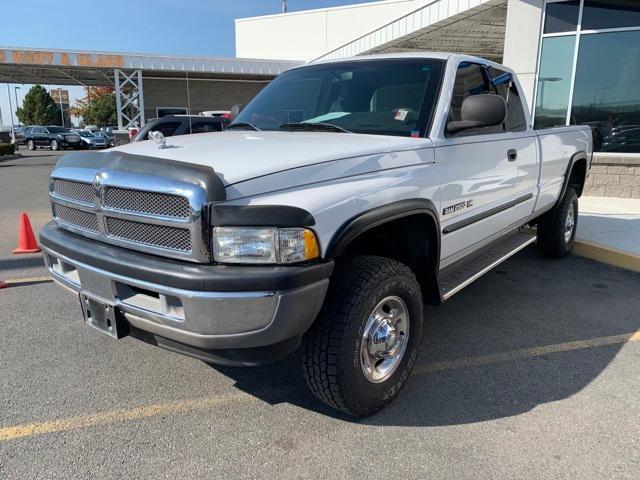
609, 231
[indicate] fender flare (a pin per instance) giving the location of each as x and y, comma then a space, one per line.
365, 221
579, 155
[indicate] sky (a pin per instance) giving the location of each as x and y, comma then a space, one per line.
180, 27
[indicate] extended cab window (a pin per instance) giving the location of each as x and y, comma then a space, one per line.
382, 97
505, 86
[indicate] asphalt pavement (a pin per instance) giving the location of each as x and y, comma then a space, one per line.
531, 372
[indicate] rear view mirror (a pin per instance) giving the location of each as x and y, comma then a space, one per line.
235, 111
479, 111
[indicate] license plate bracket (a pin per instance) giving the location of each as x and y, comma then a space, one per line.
106, 318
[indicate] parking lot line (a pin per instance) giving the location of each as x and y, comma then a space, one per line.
116, 416
182, 406
527, 353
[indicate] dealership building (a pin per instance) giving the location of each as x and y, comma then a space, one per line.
578, 60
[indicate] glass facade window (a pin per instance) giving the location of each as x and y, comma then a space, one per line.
600, 14
600, 53
562, 17
607, 90
554, 81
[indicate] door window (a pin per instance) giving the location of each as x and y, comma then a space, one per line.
471, 79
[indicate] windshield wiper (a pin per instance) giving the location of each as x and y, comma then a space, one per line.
312, 127
245, 125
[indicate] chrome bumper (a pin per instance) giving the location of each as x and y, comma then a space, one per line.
198, 319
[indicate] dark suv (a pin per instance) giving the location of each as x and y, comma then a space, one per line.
172, 125
53, 137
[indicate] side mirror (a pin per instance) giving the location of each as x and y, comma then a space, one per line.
235, 111
479, 111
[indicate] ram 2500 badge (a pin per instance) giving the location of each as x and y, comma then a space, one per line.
345, 196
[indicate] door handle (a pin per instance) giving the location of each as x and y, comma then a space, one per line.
512, 154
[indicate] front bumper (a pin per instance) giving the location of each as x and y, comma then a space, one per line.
221, 314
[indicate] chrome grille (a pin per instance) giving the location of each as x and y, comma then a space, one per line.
166, 216
76, 218
149, 234
151, 203
78, 191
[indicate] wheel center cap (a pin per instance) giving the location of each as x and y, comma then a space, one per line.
383, 340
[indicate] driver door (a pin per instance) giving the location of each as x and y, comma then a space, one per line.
488, 173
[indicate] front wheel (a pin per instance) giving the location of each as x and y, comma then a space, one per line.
360, 351
557, 228
55, 145
31, 145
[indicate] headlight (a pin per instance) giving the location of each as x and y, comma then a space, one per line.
264, 245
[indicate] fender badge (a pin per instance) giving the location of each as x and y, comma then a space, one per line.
456, 207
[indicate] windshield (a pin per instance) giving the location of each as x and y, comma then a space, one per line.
84, 133
383, 97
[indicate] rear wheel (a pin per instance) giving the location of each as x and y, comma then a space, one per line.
557, 228
361, 349
55, 145
31, 145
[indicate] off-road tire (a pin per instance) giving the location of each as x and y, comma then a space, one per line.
552, 227
330, 351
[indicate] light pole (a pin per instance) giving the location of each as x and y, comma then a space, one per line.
543, 82
15, 91
13, 135
61, 107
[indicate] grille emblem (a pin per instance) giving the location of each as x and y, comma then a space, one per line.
97, 182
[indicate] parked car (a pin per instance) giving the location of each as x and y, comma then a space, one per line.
109, 139
403, 179
52, 137
172, 125
18, 135
91, 140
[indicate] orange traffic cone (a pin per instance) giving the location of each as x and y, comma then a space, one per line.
27, 240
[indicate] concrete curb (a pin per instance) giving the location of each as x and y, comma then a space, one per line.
10, 157
608, 255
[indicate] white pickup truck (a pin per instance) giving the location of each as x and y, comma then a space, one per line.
344, 196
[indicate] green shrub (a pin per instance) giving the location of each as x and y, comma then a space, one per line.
7, 149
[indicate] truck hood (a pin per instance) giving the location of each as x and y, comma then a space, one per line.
237, 156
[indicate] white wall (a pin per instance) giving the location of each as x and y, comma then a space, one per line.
308, 34
522, 37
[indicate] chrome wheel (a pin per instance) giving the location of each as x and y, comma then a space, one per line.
54, 145
384, 340
570, 223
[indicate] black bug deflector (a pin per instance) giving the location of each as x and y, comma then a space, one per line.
200, 175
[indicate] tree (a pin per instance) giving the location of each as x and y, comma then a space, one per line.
97, 107
38, 108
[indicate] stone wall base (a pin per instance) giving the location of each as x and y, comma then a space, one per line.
614, 175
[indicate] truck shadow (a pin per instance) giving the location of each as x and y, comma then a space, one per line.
526, 302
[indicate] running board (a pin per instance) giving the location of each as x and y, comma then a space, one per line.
452, 281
